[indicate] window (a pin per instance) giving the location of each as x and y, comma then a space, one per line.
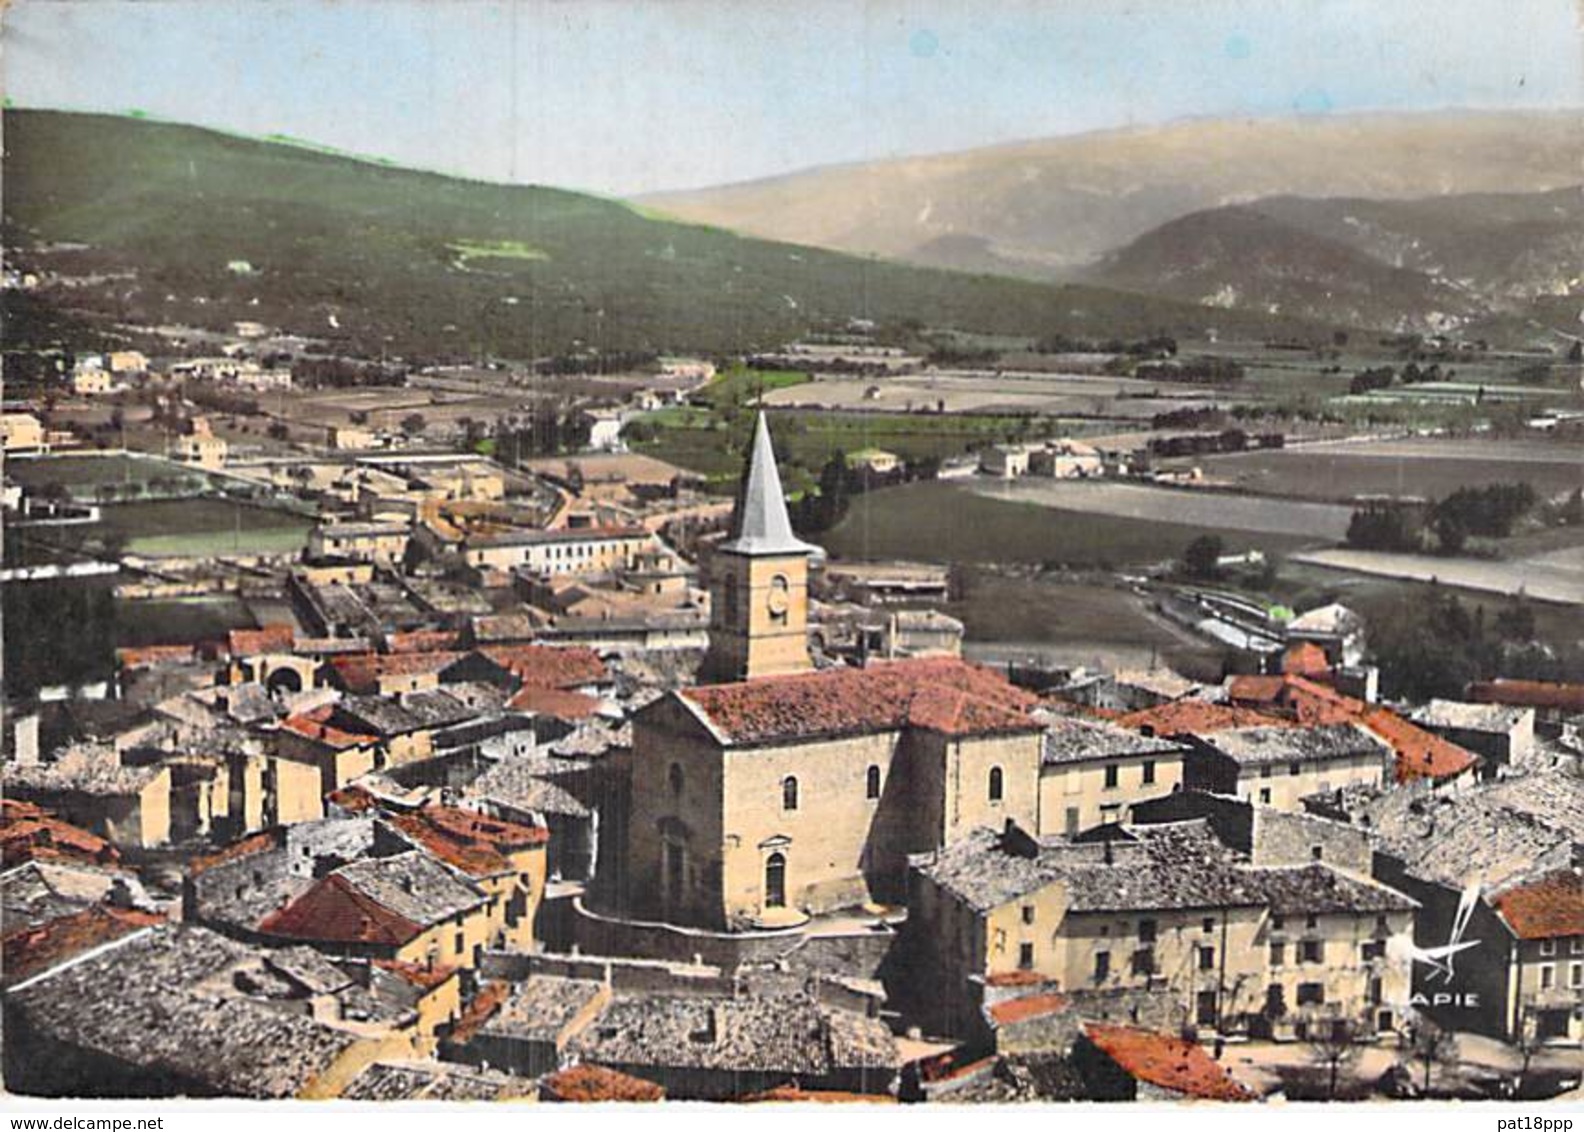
1028, 913
872, 783
1265, 771
1278, 954
1147, 931
996, 784
674, 777
1547, 977
1207, 925
1381, 926
1148, 773
1317, 852
1311, 921
1265, 795
1207, 959
1072, 820
1000, 940
1576, 975
1312, 951
1111, 813
1373, 949
1576, 946
1205, 1008
1102, 970
1025, 956
1377, 992
1111, 776
1144, 962
789, 793
1311, 994
1277, 923
1547, 946
1294, 768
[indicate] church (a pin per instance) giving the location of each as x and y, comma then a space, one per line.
780, 790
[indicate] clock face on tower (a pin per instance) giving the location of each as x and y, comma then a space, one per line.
779, 597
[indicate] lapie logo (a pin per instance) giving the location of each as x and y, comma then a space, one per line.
1442, 959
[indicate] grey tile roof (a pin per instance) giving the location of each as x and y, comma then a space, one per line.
751, 1035
1319, 890
1071, 740
1469, 717
413, 885
163, 999
539, 1008
433, 1081
526, 785
759, 523
1253, 746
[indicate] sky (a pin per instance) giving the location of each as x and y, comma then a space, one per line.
625, 97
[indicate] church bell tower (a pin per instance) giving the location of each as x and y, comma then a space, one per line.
759, 581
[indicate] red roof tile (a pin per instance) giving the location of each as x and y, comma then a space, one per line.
333, 911
1015, 979
425, 978
1529, 693
1167, 1062
1547, 908
27, 951
479, 1010
1015, 1010
315, 725
554, 702
1198, 717
469, 841
246, 847
151, 655
549, 666
1305, 658
421, 640
360, 673
1420, 753
253, 642
29, 832
592, 1083
937, 694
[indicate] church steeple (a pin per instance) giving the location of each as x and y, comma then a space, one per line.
760, 524
759, 585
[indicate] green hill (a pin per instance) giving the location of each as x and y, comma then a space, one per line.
168, 224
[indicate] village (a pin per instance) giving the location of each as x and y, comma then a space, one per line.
566, 775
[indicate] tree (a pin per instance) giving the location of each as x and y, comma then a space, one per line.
1335, 1043
1202, 559
413, 424
1429, 1046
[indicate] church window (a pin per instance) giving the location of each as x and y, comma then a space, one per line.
997, 784
872, 783
789, 793
674, 777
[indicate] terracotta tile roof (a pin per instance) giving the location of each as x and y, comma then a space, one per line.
1305, 658
425, 978
479, 1010
360, 674
586, 1083
353, 799
549, 666
246, 847
1167, 1062
939, 694
1199, 717
1420, 753
252, 642
421, 640
792, 1094
27, 951
29, 832
1547, 908
334, 911
150, 655
1015, 1010
1015, 979
468, 841
316, 725
554, 702
1529, 693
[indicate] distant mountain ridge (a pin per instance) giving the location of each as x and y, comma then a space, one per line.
1412, 265
1044, 209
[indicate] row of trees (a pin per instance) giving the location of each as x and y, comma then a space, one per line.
1490, 511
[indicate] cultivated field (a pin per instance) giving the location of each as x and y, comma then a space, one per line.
1557, 576
947, 522
984, 392
1427, 467
204, 526
1314, 522
83, 476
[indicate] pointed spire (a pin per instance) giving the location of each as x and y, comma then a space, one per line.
760, 524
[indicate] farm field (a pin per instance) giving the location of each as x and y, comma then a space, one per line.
980, 391
1311, 522
204, 526
947, 522
84, 475
1431, 468
1557, 576
179, 621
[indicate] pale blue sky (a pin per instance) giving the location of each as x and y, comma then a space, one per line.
629, 96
